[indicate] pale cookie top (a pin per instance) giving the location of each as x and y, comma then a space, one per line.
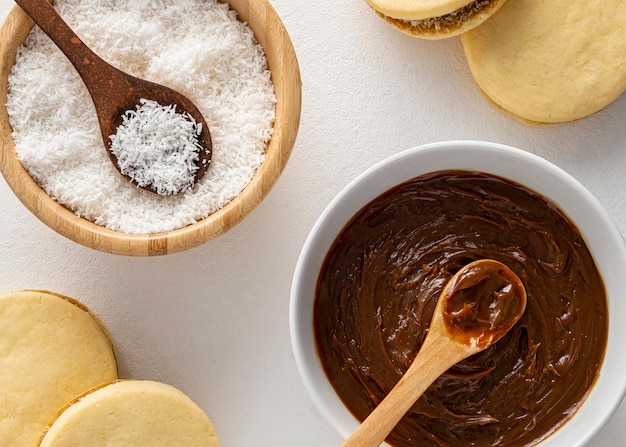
51, 350
550, 61
132, 413
416, 9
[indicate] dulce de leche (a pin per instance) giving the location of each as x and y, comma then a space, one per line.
481, 303
381, 280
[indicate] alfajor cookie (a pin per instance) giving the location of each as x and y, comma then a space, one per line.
131, 413
52, 348
435, 19
550, 61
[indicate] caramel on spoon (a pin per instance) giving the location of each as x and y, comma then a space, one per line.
114, 92
479, 304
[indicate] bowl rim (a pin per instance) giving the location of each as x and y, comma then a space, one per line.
504, 161
271, 33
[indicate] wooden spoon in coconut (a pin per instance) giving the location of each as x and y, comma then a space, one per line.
115, 93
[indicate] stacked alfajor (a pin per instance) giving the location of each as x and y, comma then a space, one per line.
540, 62
435, 19
59, 384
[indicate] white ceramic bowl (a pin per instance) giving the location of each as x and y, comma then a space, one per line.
604, 240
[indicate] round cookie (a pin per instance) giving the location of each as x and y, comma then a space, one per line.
52, 348
550, 61
131, 413
435, 19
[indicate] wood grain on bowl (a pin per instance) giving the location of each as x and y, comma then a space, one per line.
273, 37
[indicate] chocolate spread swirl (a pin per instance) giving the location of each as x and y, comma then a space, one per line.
380, 282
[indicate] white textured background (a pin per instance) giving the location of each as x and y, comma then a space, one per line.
213, 321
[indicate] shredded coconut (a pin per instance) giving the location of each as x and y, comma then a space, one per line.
157, 147
197, 47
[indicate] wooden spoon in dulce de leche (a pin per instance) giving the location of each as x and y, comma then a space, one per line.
479, 304
116, 93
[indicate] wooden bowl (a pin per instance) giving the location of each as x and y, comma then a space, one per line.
272, 35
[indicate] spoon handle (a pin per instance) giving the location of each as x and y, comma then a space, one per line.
89, 65
436, 355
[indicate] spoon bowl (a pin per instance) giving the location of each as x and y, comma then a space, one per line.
115, 92
476, 308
